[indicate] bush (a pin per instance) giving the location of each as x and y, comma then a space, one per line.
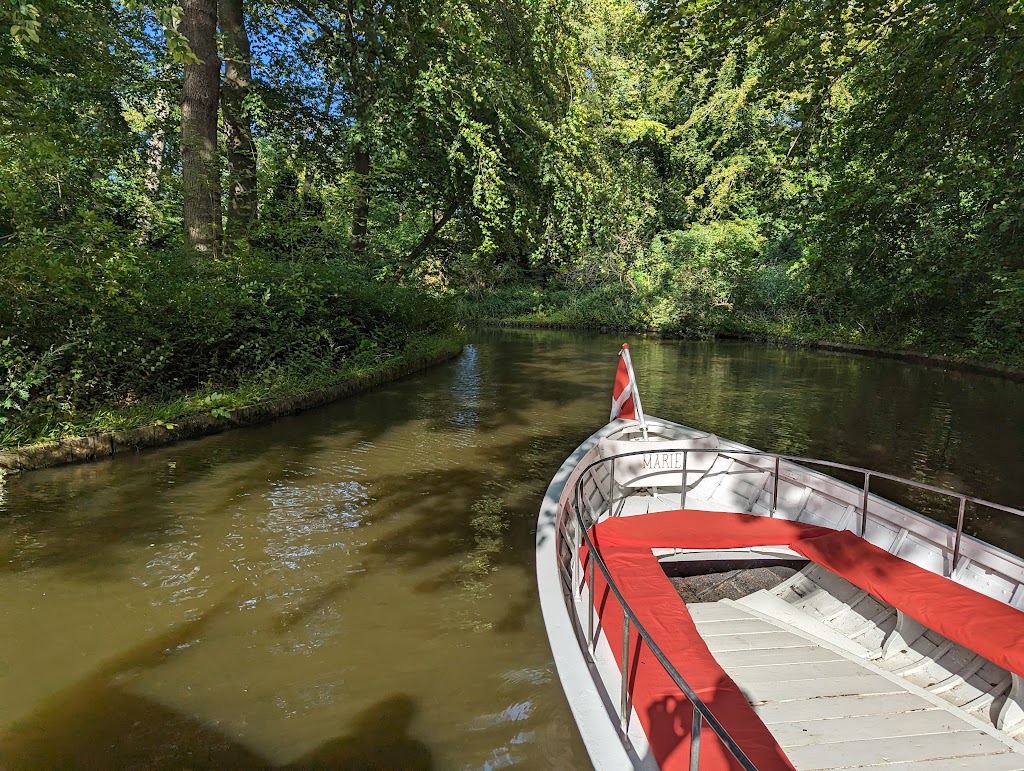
686, 282
691, 279
120, 325
999, 328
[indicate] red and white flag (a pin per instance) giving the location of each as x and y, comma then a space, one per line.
623, 404
625, 396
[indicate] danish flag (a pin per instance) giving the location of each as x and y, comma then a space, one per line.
622, 393
625, 396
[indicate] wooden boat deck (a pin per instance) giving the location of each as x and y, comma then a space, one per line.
829, 708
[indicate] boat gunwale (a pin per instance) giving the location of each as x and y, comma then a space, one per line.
591, 709
865, 512
701, 710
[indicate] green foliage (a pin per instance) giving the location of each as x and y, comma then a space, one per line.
999, 328
695, 274
25, 23
128, 327
851, 170
685, 283
901, 125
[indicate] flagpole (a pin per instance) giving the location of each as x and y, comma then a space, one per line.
636, 390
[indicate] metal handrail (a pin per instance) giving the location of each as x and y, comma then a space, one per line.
700, 710
868, 474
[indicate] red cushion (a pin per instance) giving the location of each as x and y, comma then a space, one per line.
663, 710
665, 713
978, 622
695, 529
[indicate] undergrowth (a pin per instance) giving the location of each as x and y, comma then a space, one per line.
104, 342
221, 401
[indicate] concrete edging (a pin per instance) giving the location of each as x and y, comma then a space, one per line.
77, 449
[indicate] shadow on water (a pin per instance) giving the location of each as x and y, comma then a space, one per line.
379, 740
83, 519
442, 527
75, 518
119, 729
321, 599
100, 722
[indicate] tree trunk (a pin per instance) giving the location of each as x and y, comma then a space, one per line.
308, 176
241, 149
157, 145
154, 165
361, 206
200, 168
429, 236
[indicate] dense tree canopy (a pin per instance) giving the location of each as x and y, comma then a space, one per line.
167, 174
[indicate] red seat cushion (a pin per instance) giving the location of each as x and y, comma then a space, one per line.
977, 622
695, 529
625, 545
663, 710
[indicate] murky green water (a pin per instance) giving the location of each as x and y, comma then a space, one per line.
354, 587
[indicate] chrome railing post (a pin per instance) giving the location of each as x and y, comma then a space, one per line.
959, 532
574, 559
625, 670
682, 489
864, 505
775, 488
695, 741
611, 494
590, 605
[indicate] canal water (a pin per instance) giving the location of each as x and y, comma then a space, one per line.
353, 587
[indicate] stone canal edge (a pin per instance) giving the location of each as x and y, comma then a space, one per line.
77, 449
938, 360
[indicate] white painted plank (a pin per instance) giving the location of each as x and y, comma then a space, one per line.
814, 689
908, 724
769, 604
893, 704
781, 673
715, 611
757, 641
807, 655
898, 750
1007, 761
713, 628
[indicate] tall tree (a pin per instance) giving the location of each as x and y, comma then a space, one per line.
155, 151
200, 167
364, 37
365, 47
241, 150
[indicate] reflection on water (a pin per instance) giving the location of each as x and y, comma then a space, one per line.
947, 428
353, 587
465, 391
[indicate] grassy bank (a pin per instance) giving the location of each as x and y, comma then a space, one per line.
618, 307
110, 432
103, 345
